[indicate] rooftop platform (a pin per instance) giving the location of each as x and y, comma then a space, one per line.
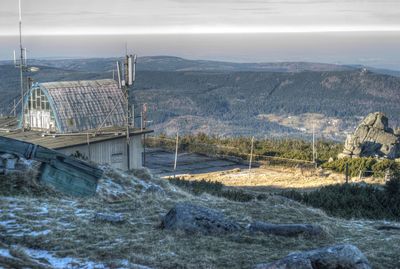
9, 122
60, 141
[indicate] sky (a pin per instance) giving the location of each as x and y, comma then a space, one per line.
339, 31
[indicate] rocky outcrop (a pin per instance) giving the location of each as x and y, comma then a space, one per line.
196, 219
344, 256
373, 138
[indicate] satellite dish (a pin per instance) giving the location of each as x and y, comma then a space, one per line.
33, 69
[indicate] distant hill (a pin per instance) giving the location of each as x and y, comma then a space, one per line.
170, 63
268, 103
271, 99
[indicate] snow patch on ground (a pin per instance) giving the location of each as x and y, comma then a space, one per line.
5, 253
57, 262
49, 258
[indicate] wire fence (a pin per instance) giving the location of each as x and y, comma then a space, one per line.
230, 153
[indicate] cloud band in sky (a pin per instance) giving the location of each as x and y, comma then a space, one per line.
77, 17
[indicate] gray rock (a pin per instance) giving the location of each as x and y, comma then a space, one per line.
343, 256
110, 218
372, 138
196, 219
286, 229
387, 227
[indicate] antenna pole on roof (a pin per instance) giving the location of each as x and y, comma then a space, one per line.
129, 79
21, 65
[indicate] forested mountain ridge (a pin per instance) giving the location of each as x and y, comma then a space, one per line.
171, 63
247, 99
209, 97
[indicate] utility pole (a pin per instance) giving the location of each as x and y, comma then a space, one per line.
141, 121
176, 152
313, 143
251, 154
133, 115
88, 144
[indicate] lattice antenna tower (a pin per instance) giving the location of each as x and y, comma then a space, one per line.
21, 63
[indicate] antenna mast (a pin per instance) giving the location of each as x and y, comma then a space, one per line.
21, 64
129, 80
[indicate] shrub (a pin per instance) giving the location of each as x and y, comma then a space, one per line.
354, 201
367, 166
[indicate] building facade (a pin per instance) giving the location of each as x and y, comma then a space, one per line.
82, 118
74, 106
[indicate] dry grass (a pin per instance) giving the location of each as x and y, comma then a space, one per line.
24, 183
274, 177
73, 233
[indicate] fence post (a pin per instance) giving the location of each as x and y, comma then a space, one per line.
388, 175
347, 172
176, 153
251, 154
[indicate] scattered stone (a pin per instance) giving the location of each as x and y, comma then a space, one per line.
373, 138
387, 227
196, 219
286, 229
155, 189
111, 218
343, 256
143, 173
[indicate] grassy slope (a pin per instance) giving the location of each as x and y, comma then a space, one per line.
71, 231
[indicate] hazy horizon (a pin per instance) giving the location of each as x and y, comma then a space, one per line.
351, 32
374, 49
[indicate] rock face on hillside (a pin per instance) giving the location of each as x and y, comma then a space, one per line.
373, 138
343, 256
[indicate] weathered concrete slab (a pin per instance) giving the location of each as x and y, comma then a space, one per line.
66, 174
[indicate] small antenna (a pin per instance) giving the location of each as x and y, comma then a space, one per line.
134, 68
119, 75
130, 71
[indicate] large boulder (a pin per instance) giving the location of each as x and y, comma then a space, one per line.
373, 138
344, 256
196, 219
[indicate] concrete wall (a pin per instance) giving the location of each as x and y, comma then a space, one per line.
113, 152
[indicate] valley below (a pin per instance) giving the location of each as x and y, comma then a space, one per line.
229, 99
